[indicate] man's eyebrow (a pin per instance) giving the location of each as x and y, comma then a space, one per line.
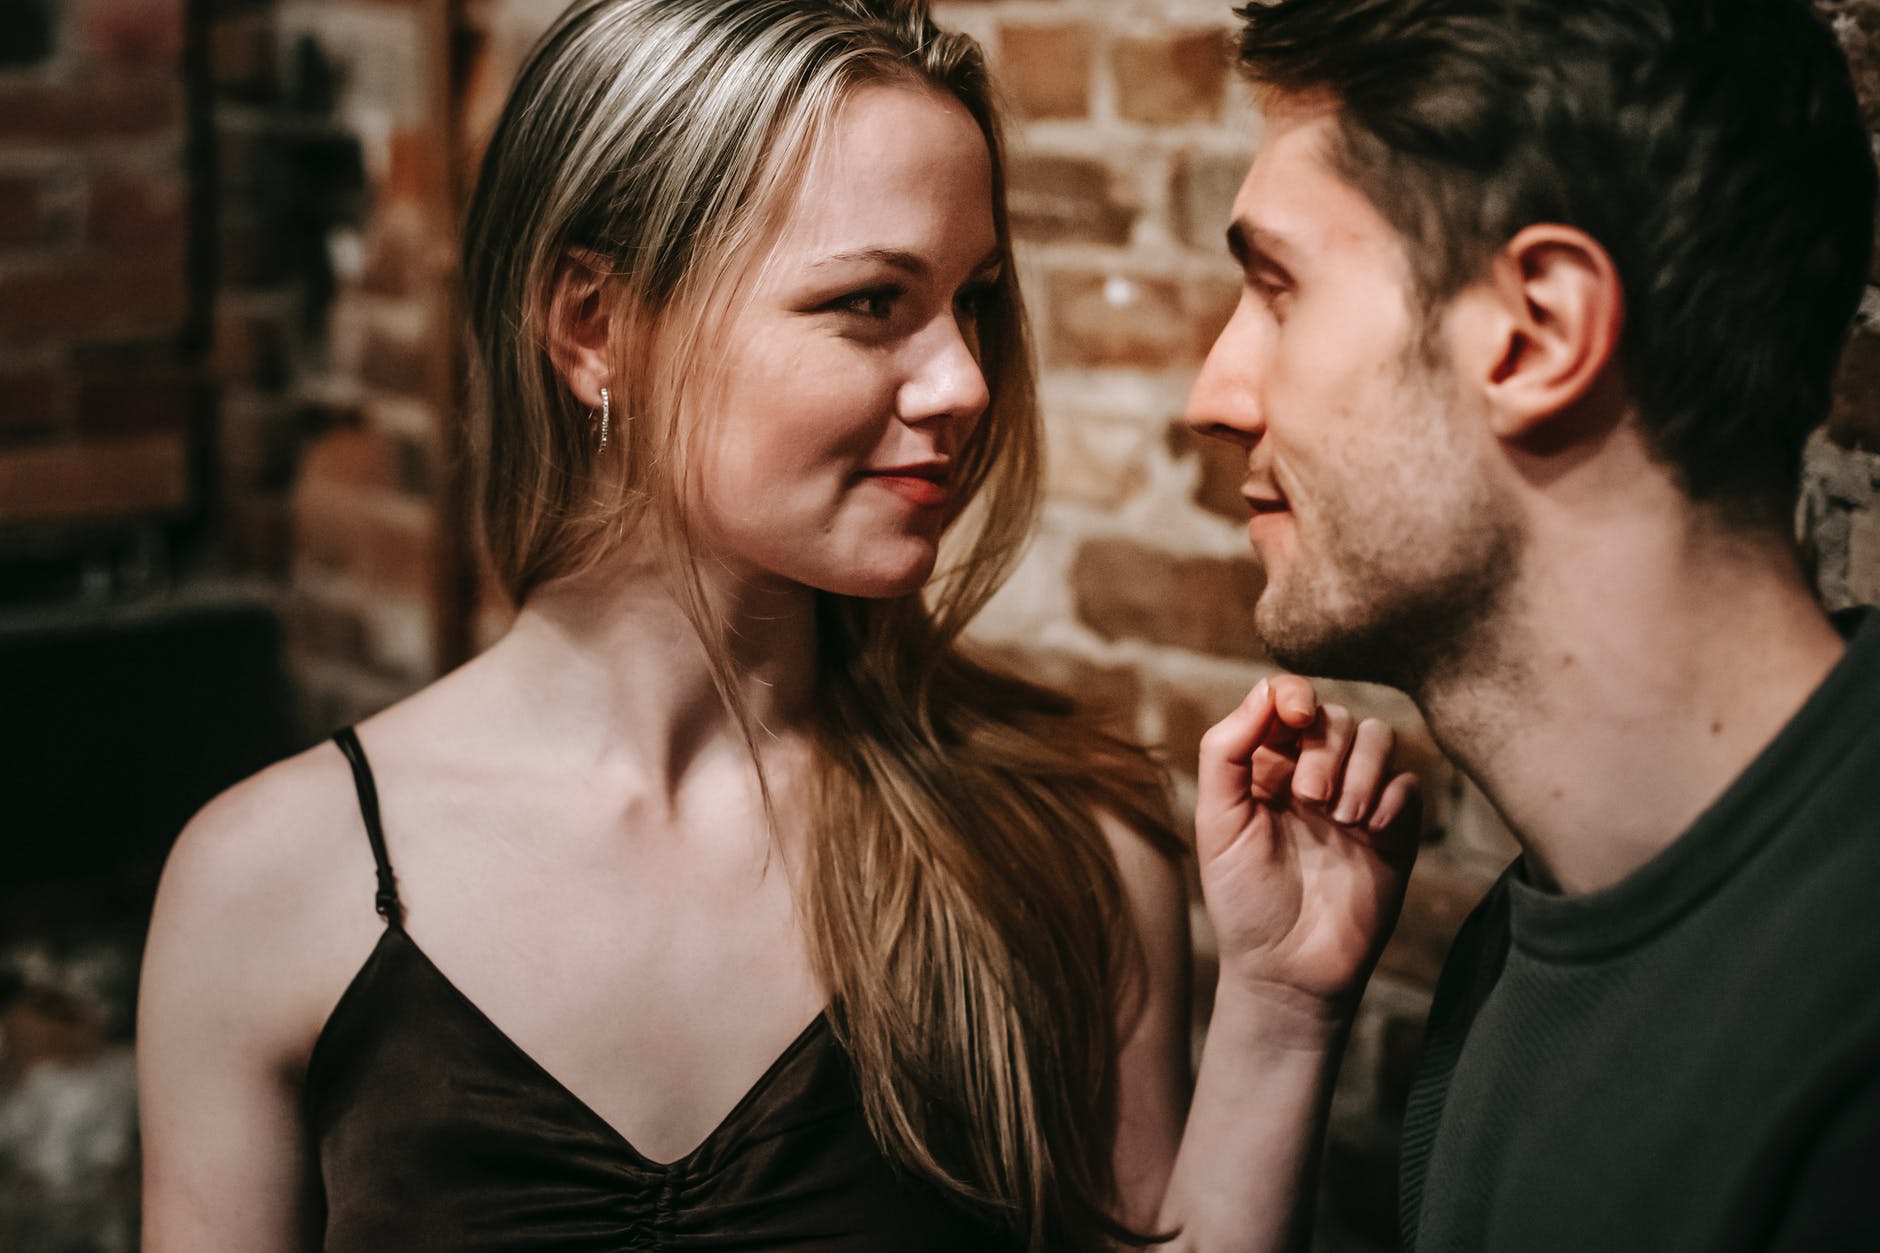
1251, 246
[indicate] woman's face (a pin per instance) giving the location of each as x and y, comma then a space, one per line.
850, 376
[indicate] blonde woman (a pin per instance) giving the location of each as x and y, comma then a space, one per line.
726, 902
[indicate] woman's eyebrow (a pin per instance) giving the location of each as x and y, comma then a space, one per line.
900, 259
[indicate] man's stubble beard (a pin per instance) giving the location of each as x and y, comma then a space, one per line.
1406, 586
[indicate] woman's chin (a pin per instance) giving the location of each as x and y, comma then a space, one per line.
886, 582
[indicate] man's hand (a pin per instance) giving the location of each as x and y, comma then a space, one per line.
1305, 844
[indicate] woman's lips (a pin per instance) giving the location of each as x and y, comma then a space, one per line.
925, 492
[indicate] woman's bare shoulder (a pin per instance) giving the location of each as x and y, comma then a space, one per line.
266, 901
271, 837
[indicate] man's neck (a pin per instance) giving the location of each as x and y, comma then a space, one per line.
1629, 687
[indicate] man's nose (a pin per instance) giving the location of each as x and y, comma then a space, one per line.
1224, 402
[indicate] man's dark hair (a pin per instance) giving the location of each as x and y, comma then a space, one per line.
1713, 147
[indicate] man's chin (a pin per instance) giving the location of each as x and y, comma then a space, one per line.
1305, 639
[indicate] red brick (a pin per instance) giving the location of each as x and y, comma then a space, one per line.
1174, 78
416, 466
25, 215
1855, 421
1203, 198
1185, 720
250, 348
249, 255
96, 297
405, 367
345, 523
139, 209
1125, 590
47, 1029
1098, 319
1223, 470
32, 402
1046, 69
257, 447
141, 406
1441, 896
1095, 460
97, 479
355, 458
1115, 320
257, 534
327, 628
417, 173
132, 32
402, 259
243, 56
110, 107
1055, 199
340, 530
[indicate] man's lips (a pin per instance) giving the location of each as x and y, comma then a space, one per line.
1268, 508
1262, 499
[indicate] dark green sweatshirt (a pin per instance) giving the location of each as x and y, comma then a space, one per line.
1689, 1060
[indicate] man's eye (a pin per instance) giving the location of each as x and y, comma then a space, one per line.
1266, 287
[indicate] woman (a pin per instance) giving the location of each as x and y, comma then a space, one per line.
743, 294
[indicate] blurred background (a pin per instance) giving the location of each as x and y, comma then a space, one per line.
231, 517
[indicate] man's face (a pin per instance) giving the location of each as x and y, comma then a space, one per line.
1383, 539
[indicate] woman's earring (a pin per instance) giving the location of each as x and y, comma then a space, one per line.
606, 415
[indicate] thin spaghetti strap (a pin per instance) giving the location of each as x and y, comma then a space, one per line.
387, 899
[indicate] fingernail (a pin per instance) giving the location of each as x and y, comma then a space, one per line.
1346, 813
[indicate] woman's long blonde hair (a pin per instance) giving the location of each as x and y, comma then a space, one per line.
963, 906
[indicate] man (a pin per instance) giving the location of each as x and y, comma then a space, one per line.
1541, 300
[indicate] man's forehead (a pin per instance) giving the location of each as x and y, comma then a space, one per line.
1295, 200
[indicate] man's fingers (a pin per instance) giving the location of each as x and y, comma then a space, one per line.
1322, 751
1364, 770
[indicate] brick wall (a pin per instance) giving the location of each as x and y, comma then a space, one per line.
101, 398
347, 125
226, 329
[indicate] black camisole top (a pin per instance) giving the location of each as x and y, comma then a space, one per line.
432, 1130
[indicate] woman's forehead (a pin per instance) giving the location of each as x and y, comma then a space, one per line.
901, 168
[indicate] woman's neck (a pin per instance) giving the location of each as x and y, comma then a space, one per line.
609, 668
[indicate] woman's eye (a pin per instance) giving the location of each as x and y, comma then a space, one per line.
876, 304
973, 302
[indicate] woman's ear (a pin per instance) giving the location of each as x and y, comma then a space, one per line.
579, 327
1549, 314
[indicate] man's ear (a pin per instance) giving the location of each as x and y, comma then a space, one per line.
579, 323
1547, 323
